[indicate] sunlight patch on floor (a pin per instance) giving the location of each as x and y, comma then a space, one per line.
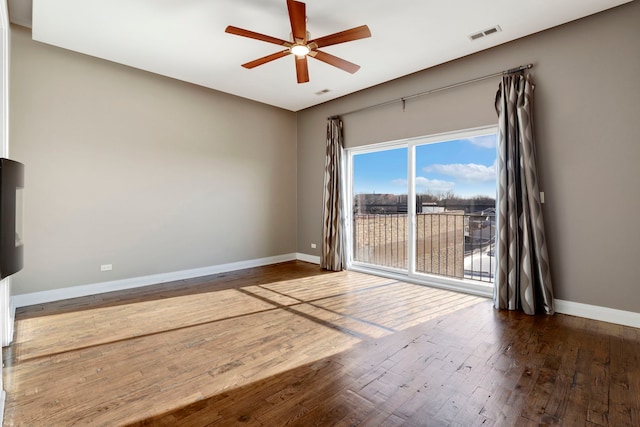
186, 348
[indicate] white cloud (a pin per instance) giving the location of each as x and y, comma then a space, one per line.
486, 141
469, 173
434, 185
428, 185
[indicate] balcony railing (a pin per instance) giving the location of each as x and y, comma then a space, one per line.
450, 244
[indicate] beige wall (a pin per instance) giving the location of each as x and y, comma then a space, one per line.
587, 110
153, 175
146, 173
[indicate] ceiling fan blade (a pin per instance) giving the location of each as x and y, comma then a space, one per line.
302, 69
356, 33
266, 59
347, 66
298, 19
253, 35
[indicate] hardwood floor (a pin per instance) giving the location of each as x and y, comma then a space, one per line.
290, 344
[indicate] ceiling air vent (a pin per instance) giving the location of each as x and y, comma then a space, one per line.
484, 33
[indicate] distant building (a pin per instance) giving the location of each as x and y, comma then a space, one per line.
397, 203
380, 204
431, 207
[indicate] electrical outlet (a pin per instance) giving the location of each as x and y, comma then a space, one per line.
106, 267
313, 246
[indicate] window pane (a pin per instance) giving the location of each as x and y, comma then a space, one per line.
455, 185
380, 223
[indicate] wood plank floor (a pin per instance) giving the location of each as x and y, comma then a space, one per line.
290, 344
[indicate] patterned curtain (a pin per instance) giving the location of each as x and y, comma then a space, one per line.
333, 255
523, 279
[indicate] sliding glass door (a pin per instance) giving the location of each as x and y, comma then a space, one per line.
425, 208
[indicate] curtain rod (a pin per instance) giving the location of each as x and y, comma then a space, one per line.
440, 89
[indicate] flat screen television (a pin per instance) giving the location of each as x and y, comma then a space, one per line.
11, 245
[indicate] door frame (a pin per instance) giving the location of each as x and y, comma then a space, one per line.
410, 274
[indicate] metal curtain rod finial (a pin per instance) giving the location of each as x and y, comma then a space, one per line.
518, 69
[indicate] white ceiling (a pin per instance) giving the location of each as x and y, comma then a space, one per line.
185, 39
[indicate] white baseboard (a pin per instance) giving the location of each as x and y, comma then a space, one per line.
3, 397
12, 322
308, 258
136, 282
605, 314
7, 310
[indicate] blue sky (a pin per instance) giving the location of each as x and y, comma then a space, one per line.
466, 167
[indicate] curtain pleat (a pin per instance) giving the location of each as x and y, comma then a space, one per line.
333, 247
523, 278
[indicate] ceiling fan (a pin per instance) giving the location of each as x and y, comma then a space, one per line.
301, 47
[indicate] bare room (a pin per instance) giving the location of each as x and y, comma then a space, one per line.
276, 212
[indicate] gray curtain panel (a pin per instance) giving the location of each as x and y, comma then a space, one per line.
523, 279
333, 248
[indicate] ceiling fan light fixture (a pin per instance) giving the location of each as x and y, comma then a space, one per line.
300, 50
301, 45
